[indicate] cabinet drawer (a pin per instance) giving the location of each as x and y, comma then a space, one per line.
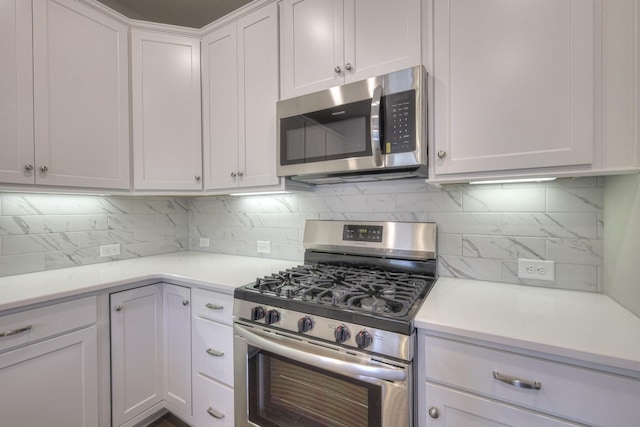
565, 391
213, 350
32, 325
211, 401
212, 305
456, 408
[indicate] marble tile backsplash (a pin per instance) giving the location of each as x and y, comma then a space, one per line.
43, 232
482, 230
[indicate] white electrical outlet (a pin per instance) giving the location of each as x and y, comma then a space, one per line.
536, 269
204, 242
110, 250
263, 247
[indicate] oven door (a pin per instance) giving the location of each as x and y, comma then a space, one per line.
281, 380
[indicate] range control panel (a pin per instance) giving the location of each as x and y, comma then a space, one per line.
362, 233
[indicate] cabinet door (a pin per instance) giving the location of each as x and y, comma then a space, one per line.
81, 96
514, 84
53, 383
381, 36
177, 346
136, 352
167, 134
16, 87
257, 95
312, 46
457, 409
220, 107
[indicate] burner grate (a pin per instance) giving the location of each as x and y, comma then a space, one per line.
377, 292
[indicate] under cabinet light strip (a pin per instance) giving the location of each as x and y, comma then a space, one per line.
512, 181
264, 193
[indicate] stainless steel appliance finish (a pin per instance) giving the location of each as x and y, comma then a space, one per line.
373, 129
407, 240
332, 342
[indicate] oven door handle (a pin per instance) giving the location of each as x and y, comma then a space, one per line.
324, 362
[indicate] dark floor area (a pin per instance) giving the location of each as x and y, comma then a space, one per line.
169, 420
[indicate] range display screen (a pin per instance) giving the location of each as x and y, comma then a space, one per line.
362, 233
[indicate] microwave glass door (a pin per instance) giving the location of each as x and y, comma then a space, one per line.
336, 133
284, 392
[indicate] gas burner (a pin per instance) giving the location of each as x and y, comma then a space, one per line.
373, 304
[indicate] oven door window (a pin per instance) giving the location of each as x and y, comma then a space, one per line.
283, 393
337, 133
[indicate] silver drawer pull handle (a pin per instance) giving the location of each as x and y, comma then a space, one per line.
15, 331
215, 353
215, 414
214, 306
517, 382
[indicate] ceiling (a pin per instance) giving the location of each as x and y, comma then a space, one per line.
187, 13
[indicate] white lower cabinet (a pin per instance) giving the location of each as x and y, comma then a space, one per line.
212, 359
50, 382
172, 348
150, 352
136, 352
472, 385
177, 348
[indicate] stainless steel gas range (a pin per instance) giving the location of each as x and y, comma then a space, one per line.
331, 342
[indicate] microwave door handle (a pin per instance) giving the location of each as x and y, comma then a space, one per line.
375, 126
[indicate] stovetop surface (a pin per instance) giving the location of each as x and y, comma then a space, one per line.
369, 296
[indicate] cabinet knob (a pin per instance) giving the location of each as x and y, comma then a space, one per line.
240, 173
233, 174
28, 167
434, 413
44, 168
197, 177
338, 70
347, 66
442, 154
119, 308
185, 302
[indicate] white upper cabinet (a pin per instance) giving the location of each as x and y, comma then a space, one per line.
65, 95
240, 91
514, 84
380, 36
329, 42
16, 87
167, 141
81, 96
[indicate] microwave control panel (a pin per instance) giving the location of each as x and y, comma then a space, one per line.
400, 122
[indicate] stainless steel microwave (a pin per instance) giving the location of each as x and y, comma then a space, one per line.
372, 129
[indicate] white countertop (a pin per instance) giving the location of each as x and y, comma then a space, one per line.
577, 325
584, 326
214, 271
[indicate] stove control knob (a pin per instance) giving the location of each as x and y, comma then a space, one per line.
305, 324
363, 339
341, 333
272, 317
257, 313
